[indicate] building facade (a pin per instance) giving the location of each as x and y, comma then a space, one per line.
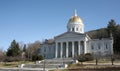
47, 49
75, 42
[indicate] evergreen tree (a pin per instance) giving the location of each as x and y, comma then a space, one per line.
112, 26
14, 49
115, 30
24, 48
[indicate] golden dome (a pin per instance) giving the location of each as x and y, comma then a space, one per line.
75, 19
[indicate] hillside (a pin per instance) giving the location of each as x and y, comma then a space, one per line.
99, 33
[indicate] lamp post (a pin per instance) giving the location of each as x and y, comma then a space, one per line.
44, 63
96, 60
112, 59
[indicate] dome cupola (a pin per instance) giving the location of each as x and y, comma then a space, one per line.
75, 24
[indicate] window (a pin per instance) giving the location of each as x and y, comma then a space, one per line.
72, 29
44, 56
76, 29
92, 47
106, 46
98, 46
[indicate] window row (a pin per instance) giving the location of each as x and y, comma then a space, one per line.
77, 29
99, 46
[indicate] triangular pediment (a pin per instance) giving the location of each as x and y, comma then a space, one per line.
70, 35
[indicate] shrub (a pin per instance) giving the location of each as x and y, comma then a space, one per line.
40, 57
88, 57
37, 57
85, 57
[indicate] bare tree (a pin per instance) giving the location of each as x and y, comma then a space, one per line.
32, 49
2, 55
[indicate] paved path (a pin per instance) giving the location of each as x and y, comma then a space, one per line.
26, 69
41, 69
21, 69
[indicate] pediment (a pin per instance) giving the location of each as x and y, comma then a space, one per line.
70, 35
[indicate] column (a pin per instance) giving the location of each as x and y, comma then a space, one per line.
56, 50
85, 48
61, 51
78, 47
72, 48
67, 49
111, 45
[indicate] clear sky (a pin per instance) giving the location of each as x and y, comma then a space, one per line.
30, 20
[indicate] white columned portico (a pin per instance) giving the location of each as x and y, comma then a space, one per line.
78, 47
56, 51
73, 35
66, 49
72, 48
85, 48
61, 52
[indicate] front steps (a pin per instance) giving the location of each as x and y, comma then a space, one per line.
51, 63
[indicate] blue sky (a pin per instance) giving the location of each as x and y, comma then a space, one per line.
30, 20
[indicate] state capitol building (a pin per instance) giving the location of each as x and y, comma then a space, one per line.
74, 42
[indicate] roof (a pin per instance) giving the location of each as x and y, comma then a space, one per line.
70, 32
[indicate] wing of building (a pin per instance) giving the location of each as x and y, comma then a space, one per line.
75, 42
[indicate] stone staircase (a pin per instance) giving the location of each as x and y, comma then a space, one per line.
42, 65
51, 63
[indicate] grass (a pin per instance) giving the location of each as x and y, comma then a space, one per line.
91, 67
13, 64
8, 64
100, 61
